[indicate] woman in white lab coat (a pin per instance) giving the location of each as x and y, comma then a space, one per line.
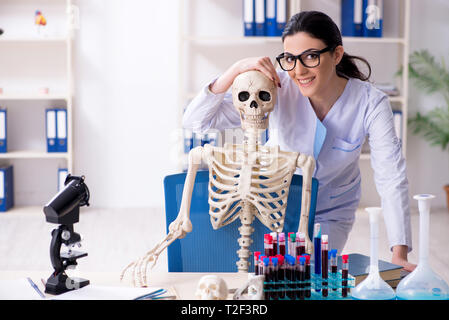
325, 108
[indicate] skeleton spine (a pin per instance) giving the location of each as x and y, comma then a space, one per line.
248, 210
245, 240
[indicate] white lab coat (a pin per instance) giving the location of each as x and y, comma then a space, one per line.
362, 110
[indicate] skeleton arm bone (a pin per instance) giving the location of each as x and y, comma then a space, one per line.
307, 165
183, 219
177, 229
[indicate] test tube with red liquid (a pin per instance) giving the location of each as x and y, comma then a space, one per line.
268, 245
324, 263
290, 275
344, 275
256, 263
300, 244
274, 278
274, 237
267, 273
301, 276
308, 291
282, 244
333, 263
292, 244
281, 275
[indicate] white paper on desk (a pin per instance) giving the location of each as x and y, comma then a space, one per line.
18, 289
93, 292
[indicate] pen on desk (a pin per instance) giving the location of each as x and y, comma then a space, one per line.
35, 287
151, 295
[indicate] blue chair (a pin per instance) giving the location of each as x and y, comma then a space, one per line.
208, 250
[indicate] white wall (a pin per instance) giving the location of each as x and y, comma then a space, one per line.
126, 101
427, 167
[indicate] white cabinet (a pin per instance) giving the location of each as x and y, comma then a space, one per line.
36, 73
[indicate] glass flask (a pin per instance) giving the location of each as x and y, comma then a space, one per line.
373, 287
423, 283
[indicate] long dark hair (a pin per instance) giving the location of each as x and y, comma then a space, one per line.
320, 26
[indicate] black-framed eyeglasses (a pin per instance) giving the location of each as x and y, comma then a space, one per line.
309, 59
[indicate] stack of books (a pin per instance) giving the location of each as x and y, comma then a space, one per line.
359, 269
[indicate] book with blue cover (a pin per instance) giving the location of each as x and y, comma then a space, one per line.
6, 188
372, 18
351, 18
359, 268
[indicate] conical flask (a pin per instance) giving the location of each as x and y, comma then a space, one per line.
373, 287
423, 283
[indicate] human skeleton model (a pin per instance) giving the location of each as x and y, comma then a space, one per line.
245, 181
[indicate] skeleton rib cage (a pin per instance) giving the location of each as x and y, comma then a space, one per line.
270, 172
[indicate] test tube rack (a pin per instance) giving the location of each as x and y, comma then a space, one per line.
296, 290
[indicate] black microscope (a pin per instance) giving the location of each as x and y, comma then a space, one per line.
63, 209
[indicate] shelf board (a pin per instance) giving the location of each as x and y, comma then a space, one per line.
254, 39
231, 39
373, 40
28, 154
33, 97
33, 40
24, 210
396, 99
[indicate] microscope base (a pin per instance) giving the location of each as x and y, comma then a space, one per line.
61, 283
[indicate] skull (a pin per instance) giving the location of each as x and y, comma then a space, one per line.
211, 287
254, 96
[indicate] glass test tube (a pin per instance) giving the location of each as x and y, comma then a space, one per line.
290, 275
274, 278
268, 245
300, 244
256, 263
267, 274
274, 237
308, 291
292, 244
281, 276
324, 263
302, 273
317, 251
344, 275
282, 244
333, 264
